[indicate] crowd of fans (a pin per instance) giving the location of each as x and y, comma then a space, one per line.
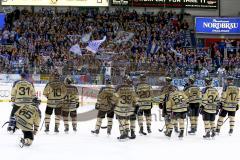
39, 42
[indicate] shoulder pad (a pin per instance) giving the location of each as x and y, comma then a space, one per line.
14, 84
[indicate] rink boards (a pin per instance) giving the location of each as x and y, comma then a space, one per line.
87, 93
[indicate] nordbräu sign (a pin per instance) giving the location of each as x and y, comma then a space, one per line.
211, 25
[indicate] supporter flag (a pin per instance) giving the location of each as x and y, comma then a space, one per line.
76, 50
94, 45
86, 37
123, 36
4, 56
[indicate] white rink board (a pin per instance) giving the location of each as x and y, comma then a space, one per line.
86, 96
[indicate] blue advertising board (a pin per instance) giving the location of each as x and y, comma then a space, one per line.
216, 25
200, 83
2, 20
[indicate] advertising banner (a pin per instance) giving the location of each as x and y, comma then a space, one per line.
2, 20
209, 4
84, 3
212, 25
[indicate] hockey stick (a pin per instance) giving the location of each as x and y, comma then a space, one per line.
187, 126
42, 124
225, 121
5, 124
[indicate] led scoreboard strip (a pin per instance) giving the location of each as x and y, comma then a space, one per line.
84, 3
209, 4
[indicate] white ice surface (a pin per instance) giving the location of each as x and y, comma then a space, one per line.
83, 145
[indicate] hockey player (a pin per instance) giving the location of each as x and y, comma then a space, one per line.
55, 91
229, 104
28, 118
209, 107
71, 104
144, 93
22, 94
165, 91
194, 95
125, 108
131, 123
177, 108
105, 107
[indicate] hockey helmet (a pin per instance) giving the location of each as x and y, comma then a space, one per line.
143, 77
168, 80
68, 80
108, 82
23, 75
208, 80
230, 79
192, 79
127, 79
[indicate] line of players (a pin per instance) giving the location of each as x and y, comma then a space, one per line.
62, 98
130, 103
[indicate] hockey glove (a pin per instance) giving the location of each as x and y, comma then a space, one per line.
112, 106
220, 105
13, 99
136, 109
12, 125
160, 106
97, 106
77, 105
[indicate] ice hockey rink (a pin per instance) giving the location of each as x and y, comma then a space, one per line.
84, 145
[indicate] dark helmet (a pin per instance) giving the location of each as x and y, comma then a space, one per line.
192, 79
208, 80
174, 88
143, 77
68, 80
108, 82
127, 79
36, 102
55, 74
168, 80
23, 75
230, 79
